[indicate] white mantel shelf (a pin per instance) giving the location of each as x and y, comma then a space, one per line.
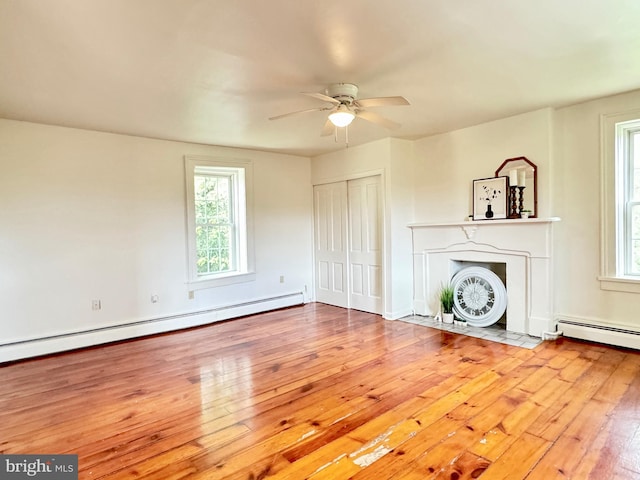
478, 223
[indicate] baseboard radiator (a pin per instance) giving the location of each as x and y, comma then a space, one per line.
611, 335
22, 349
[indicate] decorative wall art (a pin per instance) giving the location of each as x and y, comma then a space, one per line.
490, 198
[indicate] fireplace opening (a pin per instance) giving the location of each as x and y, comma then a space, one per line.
481, 296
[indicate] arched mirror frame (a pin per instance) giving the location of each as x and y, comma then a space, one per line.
531, 174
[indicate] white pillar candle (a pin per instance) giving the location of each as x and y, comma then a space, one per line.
513, 177
522, 182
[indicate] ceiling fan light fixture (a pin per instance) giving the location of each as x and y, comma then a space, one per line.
341, 117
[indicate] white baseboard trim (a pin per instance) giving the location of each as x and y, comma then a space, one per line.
69, 341
595, 331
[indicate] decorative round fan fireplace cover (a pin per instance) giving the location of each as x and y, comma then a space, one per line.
480, 297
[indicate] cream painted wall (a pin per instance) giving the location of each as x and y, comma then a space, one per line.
447, 164
87, 215
576, 186
392, 158
352, 162
400, 212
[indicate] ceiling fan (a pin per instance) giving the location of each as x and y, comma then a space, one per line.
345, 106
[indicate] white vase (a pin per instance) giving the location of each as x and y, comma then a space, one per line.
524, 214
447, 318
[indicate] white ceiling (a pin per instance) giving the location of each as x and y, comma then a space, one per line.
213, 71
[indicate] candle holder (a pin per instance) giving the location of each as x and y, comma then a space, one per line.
521, 200
513, 206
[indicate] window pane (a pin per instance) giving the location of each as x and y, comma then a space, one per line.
224, 259
213, 242
225, 237
214, 262
201, 237
202, 263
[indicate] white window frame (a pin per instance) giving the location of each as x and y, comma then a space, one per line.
241, 173
615, 191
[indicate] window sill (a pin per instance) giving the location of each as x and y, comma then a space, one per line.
221, 281
620, 284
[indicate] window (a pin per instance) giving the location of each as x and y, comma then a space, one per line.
620, 263
218, 221
628, 166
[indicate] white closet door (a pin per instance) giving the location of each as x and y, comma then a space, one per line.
365, 244
330, 212
348, 244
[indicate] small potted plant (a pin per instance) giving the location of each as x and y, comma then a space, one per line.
525, 213
446, 301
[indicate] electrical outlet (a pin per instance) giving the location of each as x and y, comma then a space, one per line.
281, 278
191, 295
154, 299
96, 305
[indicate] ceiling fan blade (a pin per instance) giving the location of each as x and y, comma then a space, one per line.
299, 111
381, 102
320, 96
378, 119
328, 129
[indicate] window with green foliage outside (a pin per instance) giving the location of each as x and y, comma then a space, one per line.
215, 224
219, 220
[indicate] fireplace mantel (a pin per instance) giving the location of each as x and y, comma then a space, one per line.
471, 227
522, 246
487, 223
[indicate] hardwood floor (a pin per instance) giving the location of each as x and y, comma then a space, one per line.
324, 393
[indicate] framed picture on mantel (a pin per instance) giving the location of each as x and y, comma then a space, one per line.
490, 196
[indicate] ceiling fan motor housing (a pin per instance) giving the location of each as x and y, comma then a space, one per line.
343, 92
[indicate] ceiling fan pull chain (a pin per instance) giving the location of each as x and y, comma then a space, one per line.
346, 135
